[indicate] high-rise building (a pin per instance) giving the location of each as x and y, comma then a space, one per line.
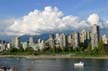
41, 44
8, 45
84, 38
69, 41
24, 45
104, 39
94, 36
2, 46
88, 35
31, 41
16, 42
57, 40
62, 40
51, 41
75, 39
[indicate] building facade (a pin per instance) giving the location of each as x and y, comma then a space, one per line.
51, 41
62, 40
104, 39
75, 39
16, 42
94, 36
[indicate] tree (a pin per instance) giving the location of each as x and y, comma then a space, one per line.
13, 50
101, 47
89, 48
21, 49
95, 51
30, 49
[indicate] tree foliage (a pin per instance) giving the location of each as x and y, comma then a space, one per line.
101, 47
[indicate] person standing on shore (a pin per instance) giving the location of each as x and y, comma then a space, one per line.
13, 69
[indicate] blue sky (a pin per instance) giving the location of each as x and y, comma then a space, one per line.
18, 16
82, 8
44, 16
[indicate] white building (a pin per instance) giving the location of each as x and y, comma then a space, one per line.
94, 36
83, 36
104, 39
8, 46
2, 47
51, 41
41, 44
31, 41
57, 40
16, 42
75, 38
24, 45
69, 41
62, 40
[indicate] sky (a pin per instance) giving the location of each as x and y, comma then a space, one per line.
82, 8
19, 17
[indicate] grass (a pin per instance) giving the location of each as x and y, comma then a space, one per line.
52, 52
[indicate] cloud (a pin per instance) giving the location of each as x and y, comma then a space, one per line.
5, 23
106, 24
51, 19
94, 19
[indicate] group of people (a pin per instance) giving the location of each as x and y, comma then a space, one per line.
3, 68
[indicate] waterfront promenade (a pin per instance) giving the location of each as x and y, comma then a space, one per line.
52, 56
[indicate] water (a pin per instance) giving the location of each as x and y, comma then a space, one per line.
23, 64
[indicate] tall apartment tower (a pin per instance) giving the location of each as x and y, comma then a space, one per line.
62, 40
94, 36
16, 42
51, 41
57, 40
31, 41
41, 44
84, 38
69, 41
104, 39
76, 40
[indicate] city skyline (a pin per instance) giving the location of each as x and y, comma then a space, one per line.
53, 35
76, 40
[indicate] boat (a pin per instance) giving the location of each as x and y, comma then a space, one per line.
80, 64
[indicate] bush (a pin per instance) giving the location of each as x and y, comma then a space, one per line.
13, 50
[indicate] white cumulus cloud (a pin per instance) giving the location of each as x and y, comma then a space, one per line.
51, 19
4, 24
94, 19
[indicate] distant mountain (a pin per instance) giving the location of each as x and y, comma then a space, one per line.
6, 37
36, 37
44, 36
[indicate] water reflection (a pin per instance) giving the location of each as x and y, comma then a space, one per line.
22, 64
78, 68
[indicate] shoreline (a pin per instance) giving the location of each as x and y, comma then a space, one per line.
52, 57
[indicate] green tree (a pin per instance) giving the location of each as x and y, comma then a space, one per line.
21, 49
101, 47
30, 49
95, 51
13, 49
89, 48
